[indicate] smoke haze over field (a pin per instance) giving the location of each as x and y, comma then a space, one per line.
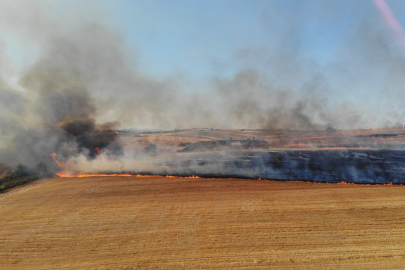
80, 76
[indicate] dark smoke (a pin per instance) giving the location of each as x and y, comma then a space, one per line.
62, 114
91, 138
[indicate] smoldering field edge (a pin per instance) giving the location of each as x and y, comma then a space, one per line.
83, 85
341, 156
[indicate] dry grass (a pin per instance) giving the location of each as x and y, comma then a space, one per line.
278, 139
183, 223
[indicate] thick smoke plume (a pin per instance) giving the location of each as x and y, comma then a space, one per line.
59, 118
83, 85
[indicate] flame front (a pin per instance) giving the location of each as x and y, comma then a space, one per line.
105, 174
60, 174
60, 164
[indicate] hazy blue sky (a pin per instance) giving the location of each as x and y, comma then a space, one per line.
341, 50
214, 38
208, 37
211, 38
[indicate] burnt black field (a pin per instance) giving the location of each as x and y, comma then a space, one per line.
333, 166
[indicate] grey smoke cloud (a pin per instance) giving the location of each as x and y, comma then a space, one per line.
84, 77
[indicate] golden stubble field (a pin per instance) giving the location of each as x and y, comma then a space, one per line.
187, 223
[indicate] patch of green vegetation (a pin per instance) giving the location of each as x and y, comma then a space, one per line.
17, 177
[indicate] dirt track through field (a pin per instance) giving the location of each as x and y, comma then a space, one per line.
183, 223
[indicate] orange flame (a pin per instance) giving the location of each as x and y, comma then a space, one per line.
60, 164
345, 183
61, 174
105, 174
193, 176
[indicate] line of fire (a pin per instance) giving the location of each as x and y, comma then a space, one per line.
367, 156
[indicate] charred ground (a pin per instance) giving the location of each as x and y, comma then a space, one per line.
368, 156
372, 156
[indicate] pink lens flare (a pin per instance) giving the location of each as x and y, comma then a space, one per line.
391, 20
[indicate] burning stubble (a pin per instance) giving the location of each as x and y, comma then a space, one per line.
82, 88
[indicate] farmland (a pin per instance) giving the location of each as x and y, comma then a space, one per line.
186, 223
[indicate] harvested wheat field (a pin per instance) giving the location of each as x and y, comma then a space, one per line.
186, 223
